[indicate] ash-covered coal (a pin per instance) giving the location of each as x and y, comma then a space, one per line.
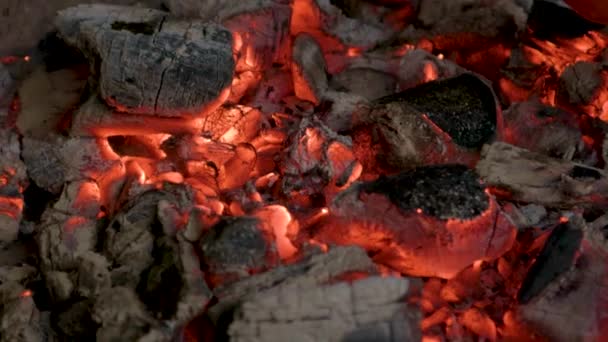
463, 106
234, 247
443, 191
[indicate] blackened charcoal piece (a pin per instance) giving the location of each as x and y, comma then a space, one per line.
555, 258
547, 21
443, 191
236, 246
463, 106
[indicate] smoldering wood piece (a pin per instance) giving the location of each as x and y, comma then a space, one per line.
339, 116
20, 319
314, 269
583, 85
308, 69
531, 177
420, 66
572, 307
13, 178
63, 239
429, 221
444, 121
96, 119
365, 82
214, 9
234, 247
150, 63
232, 124
80, 198
460, 24
54, 160
544, 129
369, 309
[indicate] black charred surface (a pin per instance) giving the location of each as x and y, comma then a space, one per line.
584, 172
137, 28
549, 20
555, 258
234, 243
442, 191
464, 107
161, 285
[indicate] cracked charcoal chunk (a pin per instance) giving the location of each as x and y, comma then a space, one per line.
463, 106
443, 191
555, 258
151, 63
235, 246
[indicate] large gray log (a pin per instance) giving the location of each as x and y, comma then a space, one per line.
531, 177
371, 309
150, 63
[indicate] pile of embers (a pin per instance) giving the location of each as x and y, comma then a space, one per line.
306, 170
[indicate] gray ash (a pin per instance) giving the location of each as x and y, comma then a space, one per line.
442, 191
464, 107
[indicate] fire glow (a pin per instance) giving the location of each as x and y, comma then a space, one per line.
280, 149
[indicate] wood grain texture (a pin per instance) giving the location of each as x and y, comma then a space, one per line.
148, 62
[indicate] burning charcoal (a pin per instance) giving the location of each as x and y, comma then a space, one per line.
555, 258
535, 178
95, 118
318, 161
63, 239
129, 241
365, 82
80, 198
441, 121
583, 85
570, 307
543, 129
526, 216
309, 69
419, 66
369, 309
237, 170
430, 221
235, 247
162, 65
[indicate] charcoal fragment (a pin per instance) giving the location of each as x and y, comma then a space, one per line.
237, 246
463, 106
555, 258
443, 191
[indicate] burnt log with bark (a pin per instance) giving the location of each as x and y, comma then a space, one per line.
429, 221
531, 177
150, 63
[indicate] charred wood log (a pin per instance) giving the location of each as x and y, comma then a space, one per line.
369, 309
150, 63
308, 69
430, 221
582, 85
531, 177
